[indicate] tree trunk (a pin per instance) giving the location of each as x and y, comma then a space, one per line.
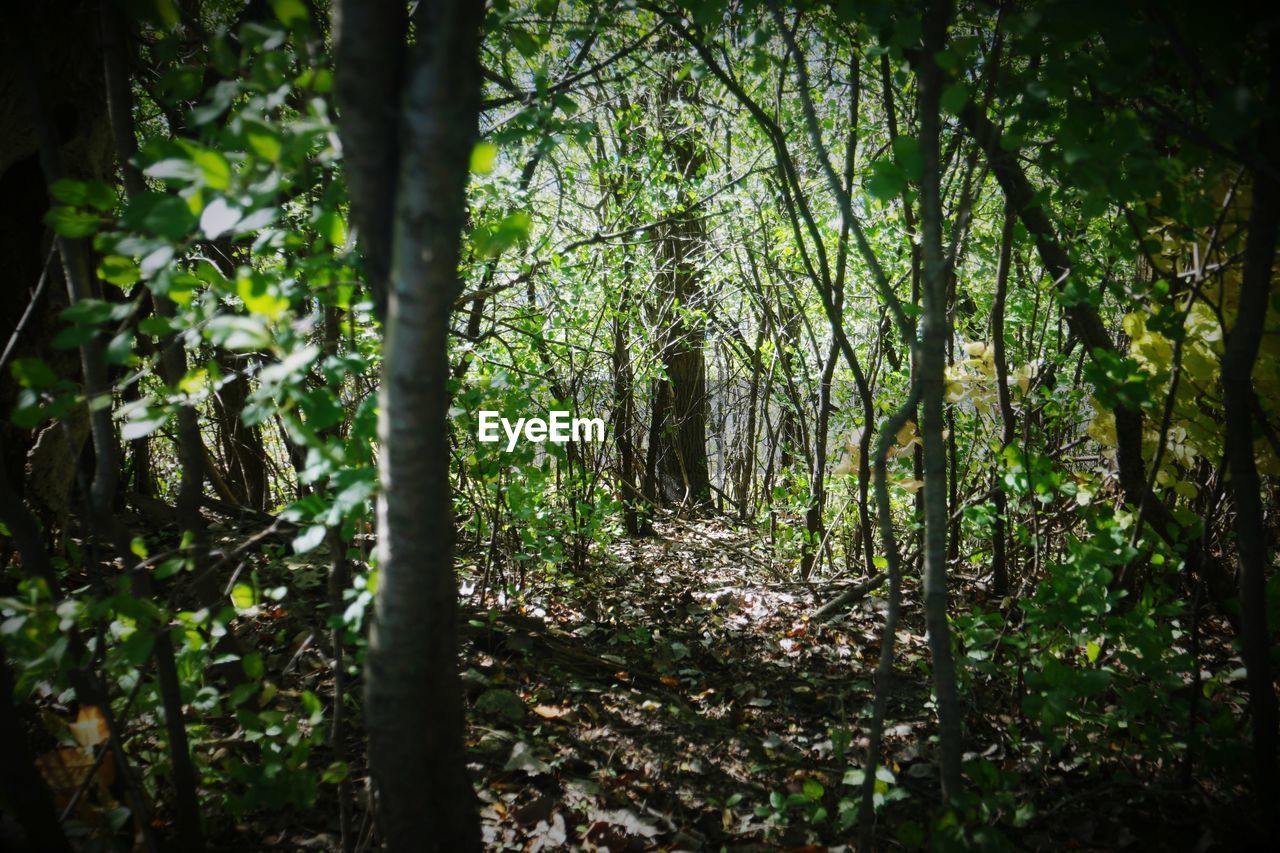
414, 698
242, 447
1237, 384
999, 559
683, 456
931, 371
817, 478
623, 379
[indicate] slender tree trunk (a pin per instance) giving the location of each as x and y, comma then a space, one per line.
1008, 426
661, 396
747, 459
414, 697
864, 469
910, 226
1237, 384
817, 477
888, 634
931, 371
623, 384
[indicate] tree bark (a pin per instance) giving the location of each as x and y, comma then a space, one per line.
932, 352
1237, 384
369, 59
999, 557
683, 440
414, 698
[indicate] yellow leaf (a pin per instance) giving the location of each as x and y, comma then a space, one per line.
907, 435
910, 486
1025, 374
844, 467
90, 728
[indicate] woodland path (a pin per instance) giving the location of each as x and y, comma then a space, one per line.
682, 698
683, 689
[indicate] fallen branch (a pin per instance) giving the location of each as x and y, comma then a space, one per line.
849, 596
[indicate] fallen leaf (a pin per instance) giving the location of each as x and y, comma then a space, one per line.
550, 712
523, 758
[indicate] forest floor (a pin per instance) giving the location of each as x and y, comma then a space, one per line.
683, 699
679, 703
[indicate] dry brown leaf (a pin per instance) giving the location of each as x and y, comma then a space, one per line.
550, 712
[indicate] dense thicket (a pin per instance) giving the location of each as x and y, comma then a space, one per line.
955, 320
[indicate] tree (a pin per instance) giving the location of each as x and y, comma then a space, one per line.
415, 713
1238, 363
934, 335
682, 439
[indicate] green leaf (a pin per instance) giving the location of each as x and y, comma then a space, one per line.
119, 270
493, 239
309, 539
335, 772
259, 296
264, 143
169, 568
218, 218
886, 181
241, 334
483, 158
156, 327
143, 424
72, 223
95, 194
243, 598
74, 336
213, 167
91, 312
174, 169
290, 12
137, 647
120, 348
251, 663
954, 97
32, 373
332, 228
169, 217
906, 152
